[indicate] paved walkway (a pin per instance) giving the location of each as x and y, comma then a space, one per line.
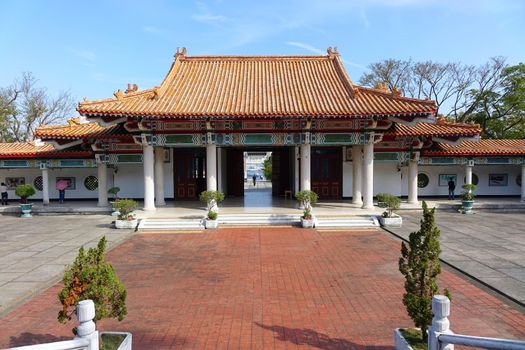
488, 246
264, 288
34, 251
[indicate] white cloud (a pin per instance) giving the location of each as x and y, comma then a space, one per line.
204, 14
85, 55
151, 29
318, 51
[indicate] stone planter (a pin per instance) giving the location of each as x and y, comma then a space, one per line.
307, 223
211, 223
394, 221
26, 210
127, 224
126, 343
400, 341
467, 206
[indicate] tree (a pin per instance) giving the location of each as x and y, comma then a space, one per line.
24, 106
90, 277
267, 168
419, 263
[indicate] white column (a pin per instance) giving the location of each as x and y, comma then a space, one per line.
368, 176
357, 174
523, 183
159, 177
211, 167
102, 170
219, 170
149, 181
412, 182
468, 175
45, 186
305, 168
296, 162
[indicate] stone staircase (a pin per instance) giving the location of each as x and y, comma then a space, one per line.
171, 224
262, 219
346, 222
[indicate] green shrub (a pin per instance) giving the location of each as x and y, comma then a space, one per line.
212, 215
211, 198
390, 201
468, 193
419, 263
114, 192
125, 208
25, 191
91, 277
307, 198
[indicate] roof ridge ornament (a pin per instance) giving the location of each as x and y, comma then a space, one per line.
180, 53
119, 95
332, 52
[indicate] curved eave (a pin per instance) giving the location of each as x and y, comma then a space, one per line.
467, 154
47, 155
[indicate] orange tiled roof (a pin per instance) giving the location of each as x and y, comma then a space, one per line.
480, 148
441, 128
256, 86
75, 130
36, 150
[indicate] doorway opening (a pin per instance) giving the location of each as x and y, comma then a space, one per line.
258, 177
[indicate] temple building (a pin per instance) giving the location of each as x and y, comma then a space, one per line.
325, 133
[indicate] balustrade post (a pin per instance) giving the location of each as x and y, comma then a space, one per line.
440, 323
86, 328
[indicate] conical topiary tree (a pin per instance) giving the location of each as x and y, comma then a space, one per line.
419, 263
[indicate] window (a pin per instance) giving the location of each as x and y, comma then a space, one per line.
475, 179
38, 183
422, 180
91, 183
498, 179
518, 180
445, 178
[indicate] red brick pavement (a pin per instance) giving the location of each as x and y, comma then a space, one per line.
264, 288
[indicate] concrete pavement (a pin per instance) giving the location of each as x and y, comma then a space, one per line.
489, 246
34, 251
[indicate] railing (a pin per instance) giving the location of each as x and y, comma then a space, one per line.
440, 337
87, 335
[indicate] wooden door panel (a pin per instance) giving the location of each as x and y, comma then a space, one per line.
327, 172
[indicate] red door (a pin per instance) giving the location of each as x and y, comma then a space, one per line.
327, 172
188, 173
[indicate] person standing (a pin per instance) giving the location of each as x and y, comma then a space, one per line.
3, 192
254, 178
451, 188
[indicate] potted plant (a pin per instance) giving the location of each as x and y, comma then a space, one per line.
391, 203
91, 277
306, 199
211, 198
25, 191
126, 218
467, 198
420, 265
114, 192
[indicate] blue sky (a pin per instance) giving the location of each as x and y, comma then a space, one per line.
93, 48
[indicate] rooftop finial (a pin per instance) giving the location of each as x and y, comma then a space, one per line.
180, 53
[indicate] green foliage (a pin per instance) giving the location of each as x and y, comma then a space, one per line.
91, 277
468, 193
390, 201
114, 192
419, 263
267, 168
307, 198
414, 338
111, 341
212, 215
211, 198
25, 191
125, 208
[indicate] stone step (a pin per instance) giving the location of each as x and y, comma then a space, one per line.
346, 222
259, 219
170, 224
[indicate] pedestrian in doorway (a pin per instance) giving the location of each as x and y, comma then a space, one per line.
451, 188
254, 178
3, 192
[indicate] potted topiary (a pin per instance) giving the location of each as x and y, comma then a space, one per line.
126, 218
114, 192
211, 198
420, 265
25, 191
391, 203
91, 277
467, 198
306, 199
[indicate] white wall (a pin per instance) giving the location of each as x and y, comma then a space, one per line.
386, 178
79, 174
